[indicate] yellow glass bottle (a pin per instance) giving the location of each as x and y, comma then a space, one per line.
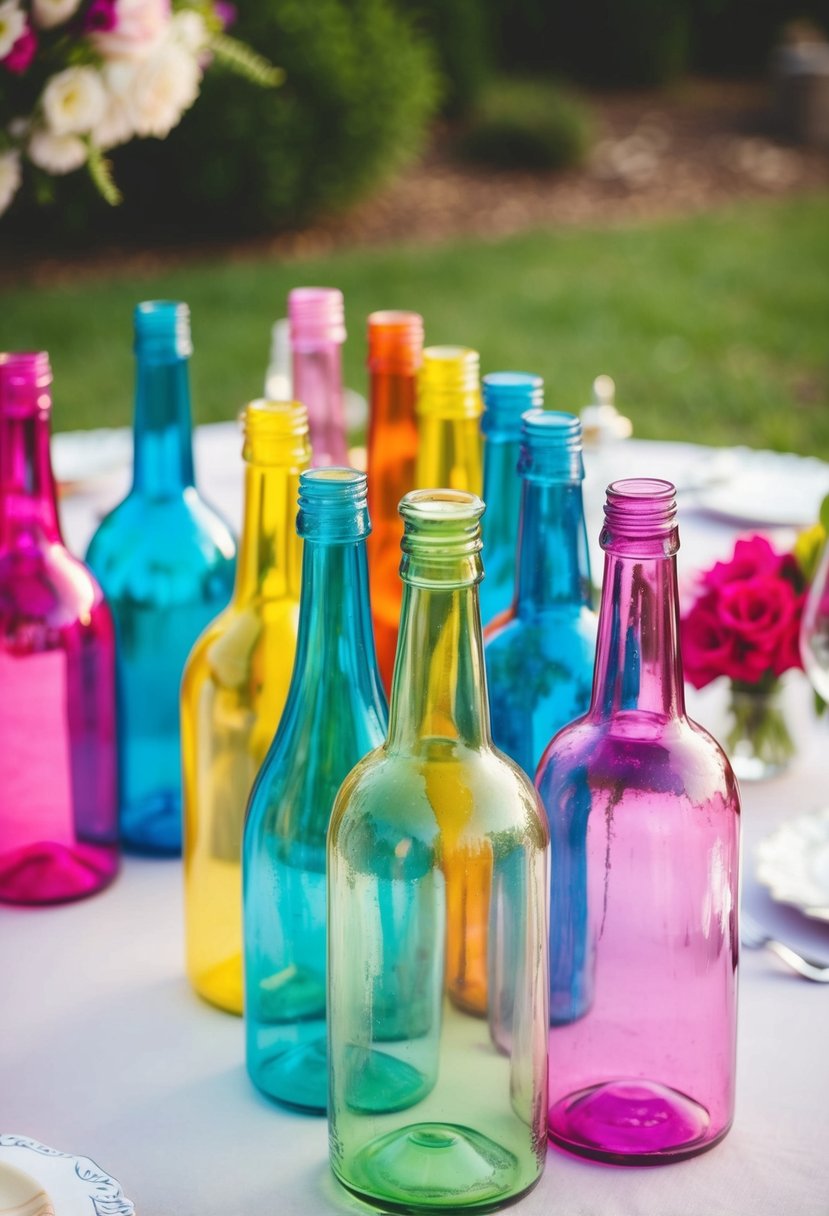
233, 692
449, 408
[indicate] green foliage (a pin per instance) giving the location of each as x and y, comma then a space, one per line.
100, 170
459, 31
528, 124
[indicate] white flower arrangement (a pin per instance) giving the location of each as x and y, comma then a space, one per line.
79, 77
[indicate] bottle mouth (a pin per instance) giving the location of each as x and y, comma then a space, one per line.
333, 505
507, 395
316, 315
395, 342
25, 380
551, 446
162, 331
441, 538
640, 517
276, 432
449, 383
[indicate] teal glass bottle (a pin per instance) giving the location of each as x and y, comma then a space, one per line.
335, 712
507, 395
165, 560
539, 657
438, 892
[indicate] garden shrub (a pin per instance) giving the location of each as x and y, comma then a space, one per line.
460, 33
528, 124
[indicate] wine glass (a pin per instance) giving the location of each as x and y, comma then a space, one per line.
814, 629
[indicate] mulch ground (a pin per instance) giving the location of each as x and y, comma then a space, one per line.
699, 146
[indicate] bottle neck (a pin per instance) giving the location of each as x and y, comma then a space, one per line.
502, 494
553, 557
28, 503
336, 640
449, 453
318, 384
638, 663
392, 445
439, 685
269, 563
163, 452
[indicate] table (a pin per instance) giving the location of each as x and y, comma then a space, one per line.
105, 1051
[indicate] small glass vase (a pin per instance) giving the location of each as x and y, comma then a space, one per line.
758, 741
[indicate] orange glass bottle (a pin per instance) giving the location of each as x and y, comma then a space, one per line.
395, 353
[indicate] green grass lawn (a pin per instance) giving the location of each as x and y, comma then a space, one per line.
716, 328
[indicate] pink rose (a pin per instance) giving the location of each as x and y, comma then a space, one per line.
706, 643
759, 610
751, 557
138, 24
22, 53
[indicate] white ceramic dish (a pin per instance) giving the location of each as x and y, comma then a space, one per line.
768, 488
22, 1195
71, 1186
794, 864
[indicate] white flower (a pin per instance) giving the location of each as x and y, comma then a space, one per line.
48, 13
164, 86
116, 126
56, 153
190, 29
139, 24
9, 178
12, 25
74, 101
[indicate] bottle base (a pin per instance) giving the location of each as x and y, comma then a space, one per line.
152, 827
434, 1167
221, 985
632, 1122
51, 873
296, 1076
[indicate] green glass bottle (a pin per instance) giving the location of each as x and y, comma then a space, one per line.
437, 870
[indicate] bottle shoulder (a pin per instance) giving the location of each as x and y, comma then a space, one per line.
165, 529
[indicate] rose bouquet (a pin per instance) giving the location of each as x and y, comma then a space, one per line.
745, 625
78, 77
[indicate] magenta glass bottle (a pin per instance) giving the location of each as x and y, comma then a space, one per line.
644, 825
58, 783
317, 331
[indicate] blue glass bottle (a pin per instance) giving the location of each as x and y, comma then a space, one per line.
539, 657
335, 713
507, 395
165, 560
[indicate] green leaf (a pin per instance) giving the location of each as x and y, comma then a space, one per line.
100, 170
245, 62
823, 515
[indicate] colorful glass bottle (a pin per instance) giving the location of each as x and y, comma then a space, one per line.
539, 657
335, 713
58, 774
437, 861
507, 395
233, 693
317, 331
644, 824
395, 353
165, 561
449, 410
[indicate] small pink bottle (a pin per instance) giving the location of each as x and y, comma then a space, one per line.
58, 783
317, 331
644, 826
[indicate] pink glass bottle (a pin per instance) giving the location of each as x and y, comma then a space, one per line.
58, 785
644, 825
317, 331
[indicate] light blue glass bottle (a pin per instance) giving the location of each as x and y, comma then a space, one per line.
507, 395
165, 560
335, 713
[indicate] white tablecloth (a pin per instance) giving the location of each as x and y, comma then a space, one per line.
105, 1052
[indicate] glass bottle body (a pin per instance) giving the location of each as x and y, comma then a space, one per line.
335, 713
165, 560
233, 693
437, 884
644, 825
58, 769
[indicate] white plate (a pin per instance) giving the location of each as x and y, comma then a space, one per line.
768, 488
22, 1195
794, 864
75, 1186
83, 457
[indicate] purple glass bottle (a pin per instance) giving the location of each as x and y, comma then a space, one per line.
58, 786
644, 824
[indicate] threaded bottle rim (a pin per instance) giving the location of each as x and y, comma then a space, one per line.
640, 517
441, 538
276, 432
395, 342
333, 505
506, 396
162, 331
315, 315
551, 446
449, 385
25, 379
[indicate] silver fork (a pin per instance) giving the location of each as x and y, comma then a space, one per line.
754, 937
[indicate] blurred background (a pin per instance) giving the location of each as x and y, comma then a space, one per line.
637, 187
